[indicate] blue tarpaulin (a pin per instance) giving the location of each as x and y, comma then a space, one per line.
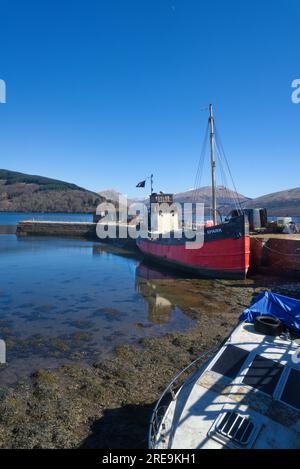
271, 304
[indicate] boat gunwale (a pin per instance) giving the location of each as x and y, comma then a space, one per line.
154, 426
275, 401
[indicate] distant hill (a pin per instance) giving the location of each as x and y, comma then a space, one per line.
110, 194
225, 197
113, 196
28, 193
278, 204
284, 203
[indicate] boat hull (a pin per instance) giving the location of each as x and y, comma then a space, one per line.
225, 252
188, 417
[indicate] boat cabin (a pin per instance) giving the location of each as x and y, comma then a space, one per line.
164, 217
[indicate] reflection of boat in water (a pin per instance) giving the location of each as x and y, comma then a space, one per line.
247, 395
225, 252
159, 307
148, 271
110, 249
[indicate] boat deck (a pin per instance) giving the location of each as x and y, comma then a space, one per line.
259, 391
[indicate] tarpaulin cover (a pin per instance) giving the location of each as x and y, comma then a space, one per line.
271, 304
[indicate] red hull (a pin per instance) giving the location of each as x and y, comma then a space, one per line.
224, 258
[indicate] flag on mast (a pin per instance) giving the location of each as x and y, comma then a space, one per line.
141, 184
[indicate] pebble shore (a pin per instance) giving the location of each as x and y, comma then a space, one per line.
108, 404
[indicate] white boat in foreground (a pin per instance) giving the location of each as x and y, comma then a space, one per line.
246, 396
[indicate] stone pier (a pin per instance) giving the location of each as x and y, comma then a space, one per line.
56, 228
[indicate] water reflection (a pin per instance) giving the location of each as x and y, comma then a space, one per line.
74, 300
159, 307
108, 249
7, 229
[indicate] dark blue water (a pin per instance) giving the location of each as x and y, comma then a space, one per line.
13, 218
73, 300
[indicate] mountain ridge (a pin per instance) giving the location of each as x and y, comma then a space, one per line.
281, 203
225, 196
33, 193
21, 192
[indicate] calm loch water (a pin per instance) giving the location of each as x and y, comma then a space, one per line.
72, 300
67, 300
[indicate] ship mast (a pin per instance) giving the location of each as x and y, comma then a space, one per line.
213, 164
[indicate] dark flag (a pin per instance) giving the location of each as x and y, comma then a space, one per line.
141, 184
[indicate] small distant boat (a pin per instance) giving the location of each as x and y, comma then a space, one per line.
247, 395
226, 249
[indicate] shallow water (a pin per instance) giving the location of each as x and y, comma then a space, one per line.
67, 300
64, 300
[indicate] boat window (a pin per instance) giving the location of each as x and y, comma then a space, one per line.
231, 361
291, 392
263, 374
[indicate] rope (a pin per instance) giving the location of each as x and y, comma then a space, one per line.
221, 150
199, 172
229, 194
274, 250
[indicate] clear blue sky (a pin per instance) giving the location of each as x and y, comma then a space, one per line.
104, 92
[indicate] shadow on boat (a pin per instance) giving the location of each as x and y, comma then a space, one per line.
206, 393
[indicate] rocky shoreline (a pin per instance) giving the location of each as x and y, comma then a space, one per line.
108, 404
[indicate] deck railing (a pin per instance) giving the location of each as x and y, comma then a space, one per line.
172, 391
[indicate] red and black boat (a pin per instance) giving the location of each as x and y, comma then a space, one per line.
225, 252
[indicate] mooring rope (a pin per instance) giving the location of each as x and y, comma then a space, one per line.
274, 250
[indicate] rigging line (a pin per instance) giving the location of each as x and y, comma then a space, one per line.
225, 192
227, 164
222, 170
274, 250
200, 164
222, 177
221, 189
236, 195
228, 194
202, 154
231, 194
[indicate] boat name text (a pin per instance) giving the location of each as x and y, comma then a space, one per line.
214, 231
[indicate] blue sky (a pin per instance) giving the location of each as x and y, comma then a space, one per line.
104, 92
